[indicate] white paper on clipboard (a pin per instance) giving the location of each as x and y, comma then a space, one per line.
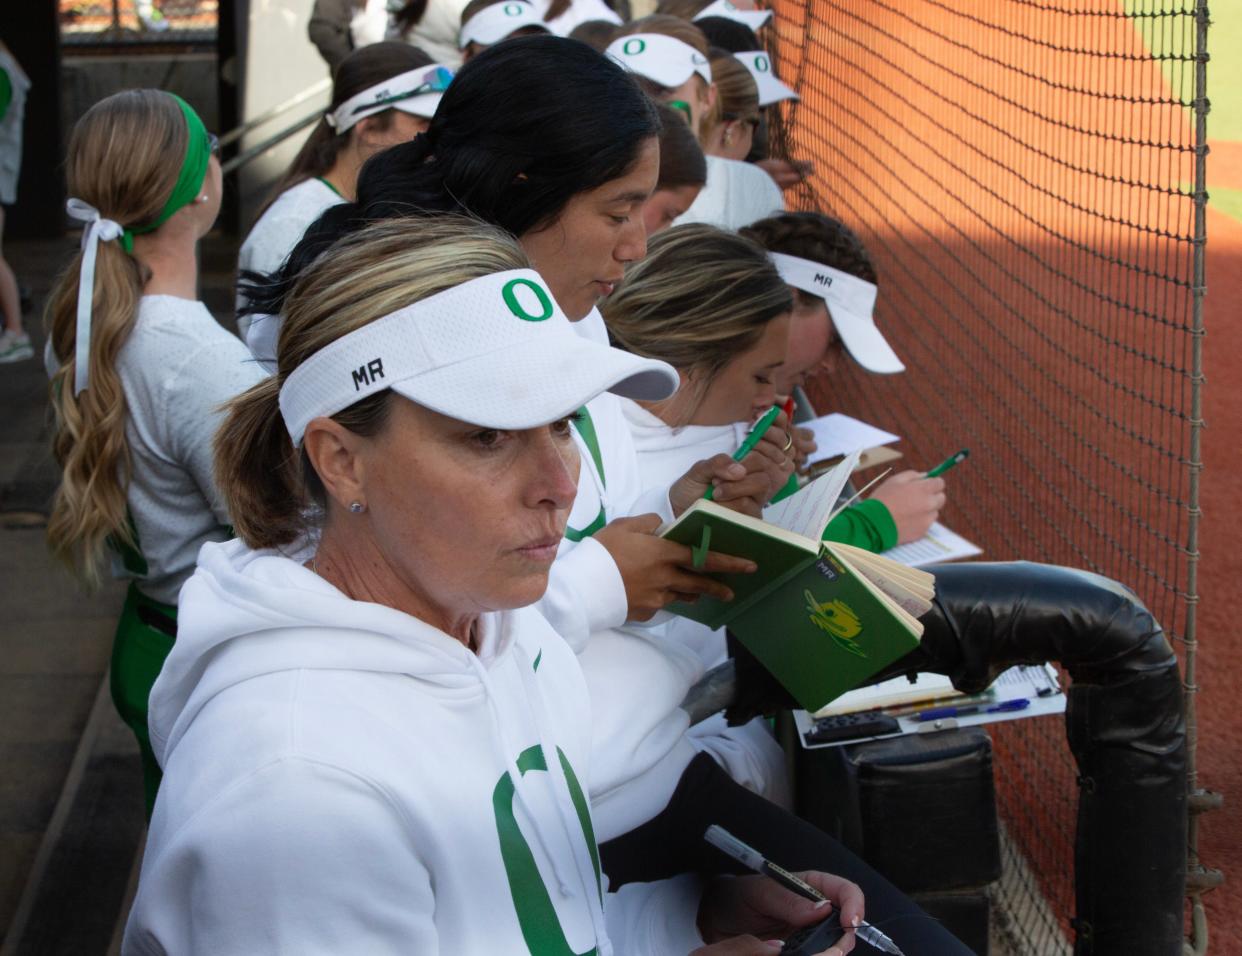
1037, 683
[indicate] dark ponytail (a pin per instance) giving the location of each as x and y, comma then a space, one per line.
409, 16
362, 69
555, 9
526, 126
682, 162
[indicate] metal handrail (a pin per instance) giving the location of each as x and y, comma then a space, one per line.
311, 91
241, 159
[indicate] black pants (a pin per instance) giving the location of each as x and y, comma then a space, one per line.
673, 843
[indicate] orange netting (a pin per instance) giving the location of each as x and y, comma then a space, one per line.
1022, 172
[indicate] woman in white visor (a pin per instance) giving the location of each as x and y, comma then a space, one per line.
670, 58
371, 742
556, 144
833, 283
383, 94
485, 23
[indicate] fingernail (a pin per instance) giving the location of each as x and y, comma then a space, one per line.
821, 904
835, 952
778, 942
855, 921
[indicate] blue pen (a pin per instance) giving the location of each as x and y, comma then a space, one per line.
942, 713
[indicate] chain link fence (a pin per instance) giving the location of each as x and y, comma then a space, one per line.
1028, 175
137, 22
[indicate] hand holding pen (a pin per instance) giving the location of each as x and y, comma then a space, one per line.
745, 480
814, 887
754, 916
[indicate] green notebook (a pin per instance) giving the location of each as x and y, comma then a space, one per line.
822, 617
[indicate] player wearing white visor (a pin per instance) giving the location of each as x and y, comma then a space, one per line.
851, 306
486, 22
730, 11
416, 736
771, 89
383, 94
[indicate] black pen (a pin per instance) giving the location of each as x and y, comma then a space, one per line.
748, 856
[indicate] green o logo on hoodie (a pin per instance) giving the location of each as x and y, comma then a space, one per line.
761, 64
541, 928
633, 47
542, 301
513, 9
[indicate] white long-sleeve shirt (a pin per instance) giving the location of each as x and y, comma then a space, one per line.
639, 745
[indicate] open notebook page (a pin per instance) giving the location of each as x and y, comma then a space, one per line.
836, 434
808, 511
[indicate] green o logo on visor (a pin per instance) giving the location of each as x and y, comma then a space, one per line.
513, 9
761, 64
633, 47
543, 304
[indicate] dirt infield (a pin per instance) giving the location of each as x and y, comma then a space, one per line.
1022, 177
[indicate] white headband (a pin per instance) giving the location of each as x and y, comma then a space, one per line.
496, 352
851, 303
416, 92
492, 24
662, 59
723, 8
97, 230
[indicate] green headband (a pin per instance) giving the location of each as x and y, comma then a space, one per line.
189, 180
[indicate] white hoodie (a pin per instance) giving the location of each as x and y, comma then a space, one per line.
340, 778
749, 754
639, 747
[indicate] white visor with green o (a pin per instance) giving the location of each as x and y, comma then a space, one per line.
497, 352
771, 89
662, 59
723, 8
851, 304
500, 20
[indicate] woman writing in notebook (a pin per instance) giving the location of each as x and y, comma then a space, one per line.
834, 317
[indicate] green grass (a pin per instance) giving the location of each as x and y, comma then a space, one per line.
1228, 201
1224, 69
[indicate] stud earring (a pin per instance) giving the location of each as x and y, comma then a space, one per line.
357, 507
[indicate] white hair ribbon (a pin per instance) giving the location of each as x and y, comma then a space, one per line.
98, 229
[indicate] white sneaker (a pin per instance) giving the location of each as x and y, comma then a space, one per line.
15, 346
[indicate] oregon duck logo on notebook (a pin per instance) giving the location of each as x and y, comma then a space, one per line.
838, 621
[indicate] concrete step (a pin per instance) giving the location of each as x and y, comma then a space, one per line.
78, 886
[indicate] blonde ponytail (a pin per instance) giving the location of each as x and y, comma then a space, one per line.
124, 158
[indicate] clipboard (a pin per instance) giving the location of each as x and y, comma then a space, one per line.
1037, 683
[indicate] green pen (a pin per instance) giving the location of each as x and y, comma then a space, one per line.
752, 439
948, 463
